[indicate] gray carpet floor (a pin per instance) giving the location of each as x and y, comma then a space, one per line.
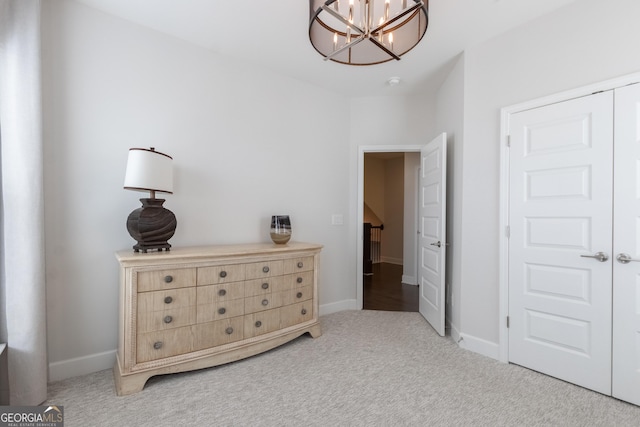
369, 368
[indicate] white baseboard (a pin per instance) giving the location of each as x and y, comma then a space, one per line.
391, 260
478, 345
100, 361
453, 331
409, 280
81, 365
334, 307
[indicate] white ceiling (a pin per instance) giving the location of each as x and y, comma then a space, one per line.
274, 34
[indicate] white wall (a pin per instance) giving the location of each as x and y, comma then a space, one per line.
374, 173
392, 120
392, 235
242, 150
585, 42
450, 119
410, 248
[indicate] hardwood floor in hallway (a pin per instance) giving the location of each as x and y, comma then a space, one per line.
384, 290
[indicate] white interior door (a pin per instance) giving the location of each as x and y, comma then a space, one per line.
626, 275
560, 295
432, 232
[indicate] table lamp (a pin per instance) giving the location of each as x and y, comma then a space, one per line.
151, 225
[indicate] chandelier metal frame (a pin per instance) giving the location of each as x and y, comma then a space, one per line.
354, 33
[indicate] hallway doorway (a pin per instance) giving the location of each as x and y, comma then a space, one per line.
389, 221
424, 225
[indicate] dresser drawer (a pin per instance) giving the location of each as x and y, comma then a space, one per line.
166, 300
262, 302
298, 280
264, 269
296, 313
157, 280
221, 274
262, 286
261, 323
158, 345
220, 332
297, 295
295, 265
149, 321
219, 310
223, 292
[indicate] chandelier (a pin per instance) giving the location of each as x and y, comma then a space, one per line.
366, 32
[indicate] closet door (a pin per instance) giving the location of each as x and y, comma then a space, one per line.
626, 274
560, 259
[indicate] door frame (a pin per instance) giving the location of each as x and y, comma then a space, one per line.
362, 149
505, 115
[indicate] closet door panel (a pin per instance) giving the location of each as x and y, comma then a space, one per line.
626, 274
561, 183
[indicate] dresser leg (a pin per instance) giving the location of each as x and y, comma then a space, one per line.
315, 331
129, 384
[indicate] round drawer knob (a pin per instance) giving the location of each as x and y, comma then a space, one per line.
222, 310
265, 302
222, 292
258, 324
229, 330
265, 285
299, 280
300, 264
168, 300
299, 295
168, 279
303, 311
265, 269
168, 319
223, 274
157, 345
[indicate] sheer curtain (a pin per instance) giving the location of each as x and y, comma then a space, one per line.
22, 280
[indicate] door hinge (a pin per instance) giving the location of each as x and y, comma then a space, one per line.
507, 231
508, 142
507, 321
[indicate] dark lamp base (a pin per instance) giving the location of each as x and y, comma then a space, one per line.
144, 248
151, 226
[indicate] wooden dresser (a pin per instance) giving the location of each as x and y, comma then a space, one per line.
191, 308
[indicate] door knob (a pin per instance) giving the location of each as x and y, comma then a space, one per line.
439, 244
600, 256
625, 258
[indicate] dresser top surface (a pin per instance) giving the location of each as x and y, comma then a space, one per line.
222, 251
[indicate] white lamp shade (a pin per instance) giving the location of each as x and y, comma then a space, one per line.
149, 170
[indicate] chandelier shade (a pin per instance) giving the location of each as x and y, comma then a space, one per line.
366, 32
